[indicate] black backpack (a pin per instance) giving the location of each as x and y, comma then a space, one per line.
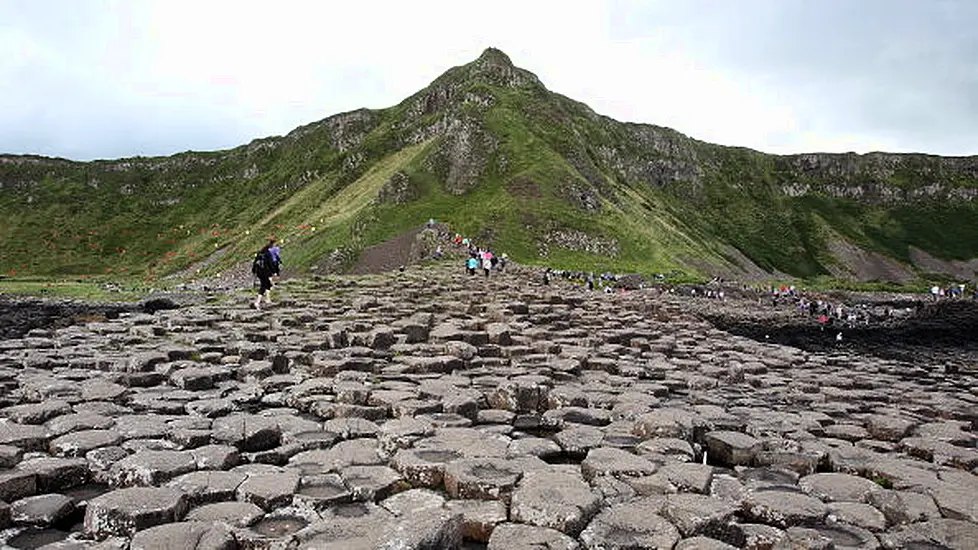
262, 266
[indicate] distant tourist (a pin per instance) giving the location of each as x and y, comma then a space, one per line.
265, 265
472, 265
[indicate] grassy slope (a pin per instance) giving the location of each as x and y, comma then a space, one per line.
88, 218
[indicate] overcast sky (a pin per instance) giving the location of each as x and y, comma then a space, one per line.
88, 79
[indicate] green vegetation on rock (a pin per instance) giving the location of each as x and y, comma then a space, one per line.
489, 150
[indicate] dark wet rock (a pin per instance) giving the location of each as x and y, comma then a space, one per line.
57, 474
558, 500
185, 535
125, 511
731, 448
515, 536
10, 456
15, 485
634, 525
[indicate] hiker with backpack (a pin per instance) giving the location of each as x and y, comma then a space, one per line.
266, 264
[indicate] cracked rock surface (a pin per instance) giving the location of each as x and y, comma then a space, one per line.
429, 409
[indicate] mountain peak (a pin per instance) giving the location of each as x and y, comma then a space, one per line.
494, 56
495, 67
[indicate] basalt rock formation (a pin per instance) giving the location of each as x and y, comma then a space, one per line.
431, 409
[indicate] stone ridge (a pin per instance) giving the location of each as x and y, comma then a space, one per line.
431, 409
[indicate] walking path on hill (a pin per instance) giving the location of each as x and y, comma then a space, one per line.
430, 409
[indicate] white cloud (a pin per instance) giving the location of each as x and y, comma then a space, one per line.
89, 78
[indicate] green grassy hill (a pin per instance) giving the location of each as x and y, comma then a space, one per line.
488, 149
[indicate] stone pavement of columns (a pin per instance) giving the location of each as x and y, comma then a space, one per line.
429, 409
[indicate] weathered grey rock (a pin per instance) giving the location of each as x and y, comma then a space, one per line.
479, 517
269, 491
688, 478
671, 448
76, 444
579, 440
15, 485
413, 500
703, 543
208, 486
423, 467
900, 507
352, 526
784, 509
372, 483
41, 510
522, 394
482, 478
731, 448
185, 535
608, 461
215, 457
858, 514
25, 437
37, 413
350, 428
235, 514
666, 422
557, 500
533, 446
56, 474
758, 536
831, 487
150, 468
125, 511
957, 500
246, 432
515, 536
948, 533
10, 456
426, 529
61, 425
889, 428
633, 525
702, 515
